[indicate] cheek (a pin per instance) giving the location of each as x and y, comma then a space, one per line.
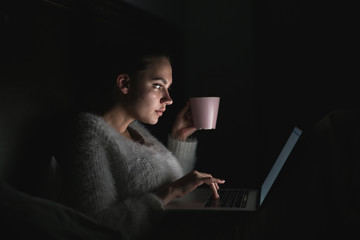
149, 96
145, 102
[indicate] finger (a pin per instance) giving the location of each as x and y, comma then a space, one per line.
213, 182
184, 109
188, 131
207, 178
214, 190
210, 179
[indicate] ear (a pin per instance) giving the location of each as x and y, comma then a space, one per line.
122, 82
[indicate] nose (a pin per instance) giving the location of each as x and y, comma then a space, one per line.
166, 98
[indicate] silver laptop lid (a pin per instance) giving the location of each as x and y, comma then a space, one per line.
280, 161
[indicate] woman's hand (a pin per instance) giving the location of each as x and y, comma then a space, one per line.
183, 126
187, 184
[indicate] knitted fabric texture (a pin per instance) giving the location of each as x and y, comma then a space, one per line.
112, 178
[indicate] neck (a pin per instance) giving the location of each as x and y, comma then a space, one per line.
118, 119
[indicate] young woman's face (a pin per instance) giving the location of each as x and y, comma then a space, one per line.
149, 94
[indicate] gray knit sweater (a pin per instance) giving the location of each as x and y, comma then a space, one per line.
111, 178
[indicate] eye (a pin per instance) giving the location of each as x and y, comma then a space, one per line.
157, 85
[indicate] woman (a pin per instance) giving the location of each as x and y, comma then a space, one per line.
119, 173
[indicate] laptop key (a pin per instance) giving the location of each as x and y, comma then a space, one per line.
228, 199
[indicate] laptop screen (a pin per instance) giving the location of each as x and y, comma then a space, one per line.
284, 154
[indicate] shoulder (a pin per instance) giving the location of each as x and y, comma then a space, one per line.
88, 119
90, 125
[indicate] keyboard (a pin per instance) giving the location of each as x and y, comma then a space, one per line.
228, 199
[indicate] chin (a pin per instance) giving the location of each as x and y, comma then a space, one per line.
152, 121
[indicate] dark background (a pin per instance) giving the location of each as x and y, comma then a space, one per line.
275, 64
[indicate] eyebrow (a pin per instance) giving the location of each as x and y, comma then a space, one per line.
160, 79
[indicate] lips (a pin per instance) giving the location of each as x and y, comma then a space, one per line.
160, 112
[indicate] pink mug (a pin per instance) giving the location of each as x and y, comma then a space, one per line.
205, 111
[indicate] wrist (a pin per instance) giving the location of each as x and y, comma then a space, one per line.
178, 137
166, 194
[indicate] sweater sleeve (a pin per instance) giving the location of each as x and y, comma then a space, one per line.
184, 151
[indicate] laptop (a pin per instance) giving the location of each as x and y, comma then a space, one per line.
236, 199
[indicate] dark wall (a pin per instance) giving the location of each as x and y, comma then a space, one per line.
219, 49
54, 57
218, 61
292, 64
54, 51
34, 77
276, 64
304, 62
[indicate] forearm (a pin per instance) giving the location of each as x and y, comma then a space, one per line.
184, 151
166, 194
